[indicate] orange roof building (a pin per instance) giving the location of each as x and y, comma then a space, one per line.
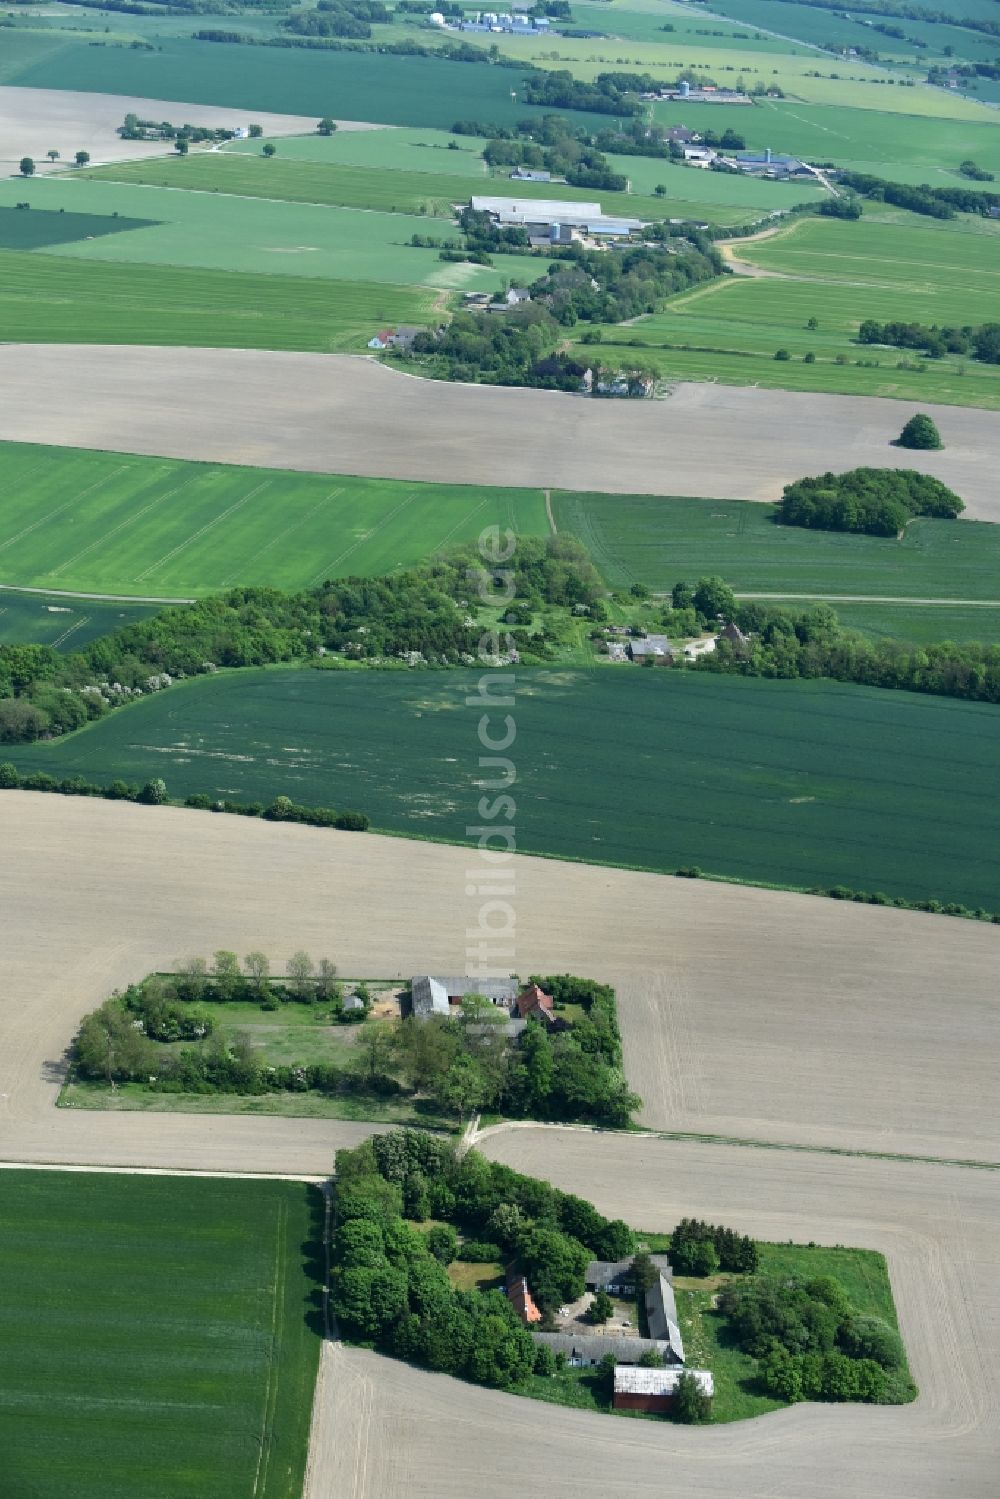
521, 1300
531, 1000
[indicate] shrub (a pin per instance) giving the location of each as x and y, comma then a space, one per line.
920, 433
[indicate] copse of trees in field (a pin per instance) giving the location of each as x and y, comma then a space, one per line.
427, 614
874, 501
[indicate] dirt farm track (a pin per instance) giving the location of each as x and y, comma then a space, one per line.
887, 1046
341, 414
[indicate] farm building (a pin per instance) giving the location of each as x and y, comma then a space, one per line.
382, 339
734, 635
583, 1350
436, 996
617, 1277
527, 174
537, 210
657, 647
521, 1300
351, 1003
533, 1001
653, 1389
661, 1318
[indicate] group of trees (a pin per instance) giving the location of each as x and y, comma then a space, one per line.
933, 202
981, 340
343, 18
581, 285
609, 93
466, 1063
699, 1248
788, 644
811, 1344
425, 614
154, 793
564, 155
876, 501
26, 166
391, 1289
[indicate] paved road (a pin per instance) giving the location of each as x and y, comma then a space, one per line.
336, 414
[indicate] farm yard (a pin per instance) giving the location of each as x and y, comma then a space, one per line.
798, 784
111, 523
159, 1330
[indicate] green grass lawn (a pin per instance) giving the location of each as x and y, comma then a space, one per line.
205, 230
791, 783
160, 1334
51, 299
67, 624
659, 542
166, 528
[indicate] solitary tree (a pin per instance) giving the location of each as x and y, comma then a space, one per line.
691, 1405
326, 126
181, 145
920, 432
257, 968
154, 793
602, 1307
81, 158
27, 167
52, 155
256, 131
268, 149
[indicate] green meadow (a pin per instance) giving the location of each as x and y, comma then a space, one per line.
115, 523
64, 623
658, 542
397, 190
838, 273
161, 1336
205, 230
57, 299
791, 783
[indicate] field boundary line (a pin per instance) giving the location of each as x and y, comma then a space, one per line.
277, 1323
108, 598
84, 1168
874, 598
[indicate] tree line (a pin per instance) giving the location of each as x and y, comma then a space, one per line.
424, 615
981, 341
932, 202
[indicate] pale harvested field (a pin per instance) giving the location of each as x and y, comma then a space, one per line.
36, 120
383, 1431
757, 1013
93, 894
337, 414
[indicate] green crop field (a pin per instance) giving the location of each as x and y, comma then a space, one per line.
208, 231
115, 523
646, 539
866, 139
400, 191
23, 230
65, 623
922, 625
795, 783
349, 85
839, 274
160, 1336
395, 148
48, 299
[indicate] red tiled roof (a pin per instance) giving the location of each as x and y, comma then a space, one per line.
533, 998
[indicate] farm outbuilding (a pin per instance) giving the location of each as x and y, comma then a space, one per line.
638, 1389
